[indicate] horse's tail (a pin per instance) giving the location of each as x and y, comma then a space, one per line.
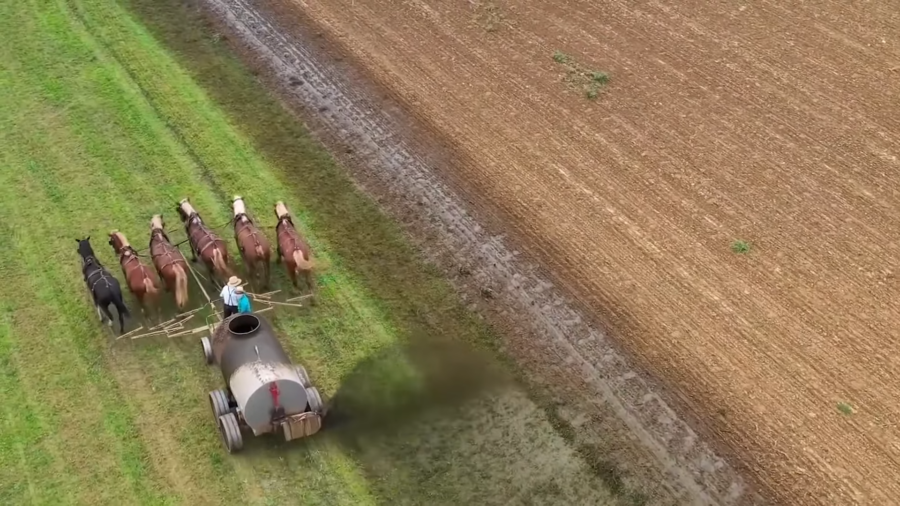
149, 286
120, 304
219, 263
301, 263
262, 257
181, 287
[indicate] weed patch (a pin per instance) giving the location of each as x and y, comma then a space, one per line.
740, 247
591, 83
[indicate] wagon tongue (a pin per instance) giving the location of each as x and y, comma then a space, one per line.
277, 410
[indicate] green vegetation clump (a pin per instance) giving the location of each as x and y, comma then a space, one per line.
740, 247
591, 82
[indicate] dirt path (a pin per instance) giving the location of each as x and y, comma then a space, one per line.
759, 123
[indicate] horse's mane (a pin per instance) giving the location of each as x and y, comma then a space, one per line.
286, 218
122, 239
194, 215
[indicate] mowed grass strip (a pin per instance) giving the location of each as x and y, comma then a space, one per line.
228, 165
77, 414
86, 150
23, 458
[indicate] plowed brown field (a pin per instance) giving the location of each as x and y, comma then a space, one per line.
769, 122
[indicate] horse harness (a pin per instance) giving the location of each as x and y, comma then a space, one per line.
249, 227
167, 246
291, 232
104, 276
194, 219
128, 254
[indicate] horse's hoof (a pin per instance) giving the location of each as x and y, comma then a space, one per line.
110, 324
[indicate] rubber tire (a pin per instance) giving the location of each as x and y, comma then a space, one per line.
231, 433
304, 377
207, 350
314, 400
218, 402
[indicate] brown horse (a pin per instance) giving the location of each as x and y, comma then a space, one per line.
253, 245
169, 262
293, 250
139, 278
205, 244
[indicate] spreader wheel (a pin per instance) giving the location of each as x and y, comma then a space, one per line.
207, 350
231, 433
314, 399
218, 401
304, 377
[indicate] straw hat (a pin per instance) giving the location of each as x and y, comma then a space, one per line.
239, 289
234, 281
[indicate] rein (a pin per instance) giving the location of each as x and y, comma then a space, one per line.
220, 227
127, 255
125, 259
138, 252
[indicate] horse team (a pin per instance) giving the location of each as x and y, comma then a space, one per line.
206, 247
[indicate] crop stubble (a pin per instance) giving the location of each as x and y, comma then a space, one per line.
769, 123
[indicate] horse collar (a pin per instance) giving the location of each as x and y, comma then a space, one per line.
89, 261
194, 218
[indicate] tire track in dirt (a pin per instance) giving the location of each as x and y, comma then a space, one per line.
357, 123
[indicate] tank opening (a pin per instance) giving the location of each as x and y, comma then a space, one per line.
243, 324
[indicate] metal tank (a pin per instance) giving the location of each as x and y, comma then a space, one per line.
264, 391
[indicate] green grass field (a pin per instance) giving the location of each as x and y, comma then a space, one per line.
101, 127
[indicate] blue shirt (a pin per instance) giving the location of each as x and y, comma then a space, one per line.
244, 304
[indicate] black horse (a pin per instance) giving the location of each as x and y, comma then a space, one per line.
104, 286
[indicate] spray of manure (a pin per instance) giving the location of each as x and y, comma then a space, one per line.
402, 383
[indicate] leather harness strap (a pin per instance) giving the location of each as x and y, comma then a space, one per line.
285, 225
169, 250
100, 270
126, 256
249, 227
194, 220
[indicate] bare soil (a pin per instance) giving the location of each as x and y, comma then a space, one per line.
771, 124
